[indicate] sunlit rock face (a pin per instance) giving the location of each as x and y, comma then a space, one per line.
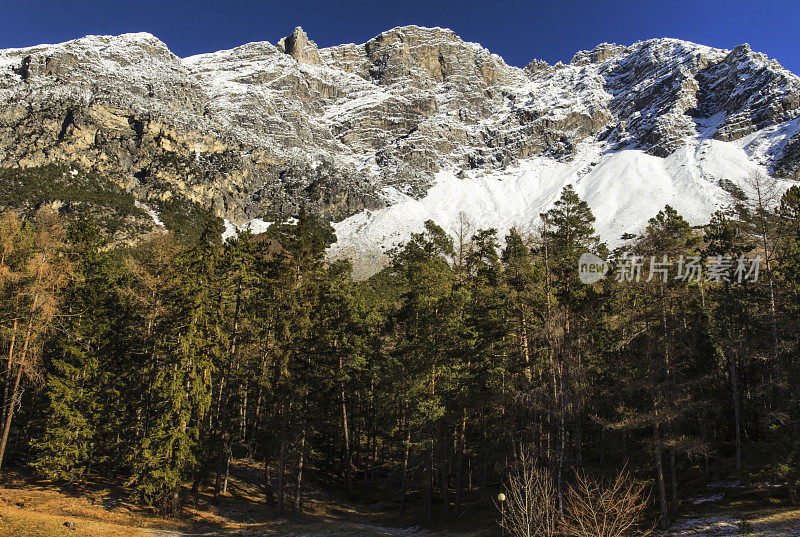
258, 131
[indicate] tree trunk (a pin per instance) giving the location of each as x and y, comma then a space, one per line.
282, 476
673, 478
374, 460
662, 491
348, 465
762, 209
9, 369
261, 381
429, 485
300, 457
372, 437
227, 474
460, 462
526, 353
668, 391
736, 415
445, 486
268, 492
9, 414
562, 433
469, 474
12, 402
406, 449
224, 454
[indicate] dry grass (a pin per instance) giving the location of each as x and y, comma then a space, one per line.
18, 522
98, 504
100, 507
779, 522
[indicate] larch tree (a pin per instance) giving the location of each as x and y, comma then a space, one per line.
43, 269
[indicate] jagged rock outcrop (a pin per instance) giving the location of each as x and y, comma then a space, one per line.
260, 130
788, 163
298, 46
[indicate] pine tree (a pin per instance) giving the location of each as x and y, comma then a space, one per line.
789, 259
724, 238
569, 232
428, 281
658, 312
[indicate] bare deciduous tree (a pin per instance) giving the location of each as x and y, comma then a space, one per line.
531, 506
594, 509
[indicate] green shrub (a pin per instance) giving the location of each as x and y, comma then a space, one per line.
81, 192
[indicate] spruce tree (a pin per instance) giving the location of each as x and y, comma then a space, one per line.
66, 446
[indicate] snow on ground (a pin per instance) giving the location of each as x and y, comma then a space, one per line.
623, 188
777, 524
763, 144
149, 210
413, 531
706, 499
256, 226
730, 484
230, 230
715, 526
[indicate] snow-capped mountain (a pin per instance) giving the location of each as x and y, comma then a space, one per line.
414, 124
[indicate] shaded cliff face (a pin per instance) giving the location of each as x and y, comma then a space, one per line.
260, 130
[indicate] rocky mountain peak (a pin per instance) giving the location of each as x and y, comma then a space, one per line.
425, 57
258, 131
94, 51
599, 54
298, 46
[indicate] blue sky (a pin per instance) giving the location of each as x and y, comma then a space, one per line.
517, 30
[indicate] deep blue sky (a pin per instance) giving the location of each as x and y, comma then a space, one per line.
517, 30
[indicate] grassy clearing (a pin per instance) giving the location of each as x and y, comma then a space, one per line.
99, 507
20, 522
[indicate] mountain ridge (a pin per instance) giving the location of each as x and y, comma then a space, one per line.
257, 131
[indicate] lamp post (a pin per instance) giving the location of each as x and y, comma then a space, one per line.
502, 499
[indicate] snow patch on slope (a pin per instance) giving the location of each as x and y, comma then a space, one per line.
623, 188
146, 208
255, 226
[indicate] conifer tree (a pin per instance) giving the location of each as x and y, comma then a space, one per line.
66, 446
658, 321
427, 281
181, 393
724, 239
569, 232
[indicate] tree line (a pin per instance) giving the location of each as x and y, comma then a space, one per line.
160, 363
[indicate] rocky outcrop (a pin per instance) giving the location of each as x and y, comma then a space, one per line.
601, 53
787, 164
298, 46
752, 91
261, 130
